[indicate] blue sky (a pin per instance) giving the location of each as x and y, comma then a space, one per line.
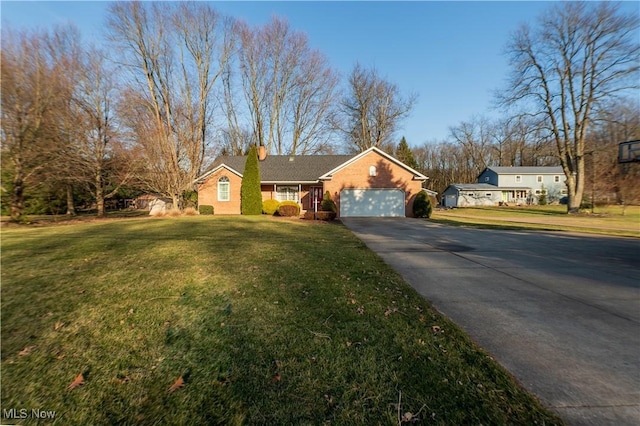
449, 53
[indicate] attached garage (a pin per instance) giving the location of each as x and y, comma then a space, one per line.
372, 202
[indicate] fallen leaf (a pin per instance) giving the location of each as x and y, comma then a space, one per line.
435, 328
122, 380
179, 383
329, 399
26, 351
78, 381
407, 417
130, 312
58, 325
277, 377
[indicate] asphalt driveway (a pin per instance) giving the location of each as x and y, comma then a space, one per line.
560, 311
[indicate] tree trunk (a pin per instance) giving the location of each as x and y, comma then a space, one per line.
99, 192
100, 203
576, 187
71, 209
17, 196
176, 200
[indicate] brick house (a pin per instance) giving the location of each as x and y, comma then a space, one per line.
372, 183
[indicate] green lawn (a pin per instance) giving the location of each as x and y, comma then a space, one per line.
268, 321
609, 220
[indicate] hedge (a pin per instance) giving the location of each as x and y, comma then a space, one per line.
205, 209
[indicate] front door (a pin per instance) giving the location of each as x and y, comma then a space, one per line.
315, 198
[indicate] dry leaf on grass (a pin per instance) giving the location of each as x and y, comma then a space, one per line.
122, 380
78, 381
26, 351
58, 325
179, 383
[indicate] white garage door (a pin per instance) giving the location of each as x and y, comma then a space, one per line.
371, 202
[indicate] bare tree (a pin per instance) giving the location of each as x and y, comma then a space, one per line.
175, 53
236, 137
445, 163
576, 59
101, 162
371, 111
35, 87
606, 179
287, 86
476, 139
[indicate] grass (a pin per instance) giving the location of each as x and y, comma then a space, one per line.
268, 321
609, 220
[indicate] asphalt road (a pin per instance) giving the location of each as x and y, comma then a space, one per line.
560, 311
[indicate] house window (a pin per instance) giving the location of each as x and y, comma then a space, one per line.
223, 189
556, 178
518, 179
373, 171
487, 194
541, 191
287, 193
539, 179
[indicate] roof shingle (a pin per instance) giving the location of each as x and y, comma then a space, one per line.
287, 168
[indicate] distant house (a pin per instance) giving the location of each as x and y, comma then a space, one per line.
372, 183
508, 185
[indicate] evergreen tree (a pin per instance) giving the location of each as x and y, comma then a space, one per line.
422, 205
250, 196
405, 154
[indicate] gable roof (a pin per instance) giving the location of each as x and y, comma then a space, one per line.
282, 168
416, 175
536, 170
298, 168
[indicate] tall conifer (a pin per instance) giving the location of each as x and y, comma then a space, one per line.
405, 154
250, 196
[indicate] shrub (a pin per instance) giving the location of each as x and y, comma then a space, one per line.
204, 209
250, 195
190, 211
289, 208
174, 212
328, 205
270, 206
190, 198
319, 215
542, 198
422, 205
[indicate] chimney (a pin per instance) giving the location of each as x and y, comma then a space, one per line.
262, 152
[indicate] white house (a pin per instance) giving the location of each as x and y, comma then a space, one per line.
508, 185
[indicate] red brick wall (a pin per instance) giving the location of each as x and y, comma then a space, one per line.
208, 193
388, 175
355, 175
